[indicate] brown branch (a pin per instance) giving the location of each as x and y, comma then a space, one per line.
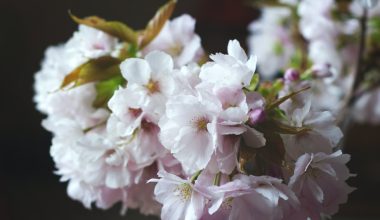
359, 75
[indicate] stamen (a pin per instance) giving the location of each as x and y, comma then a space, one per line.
227, 203
201, 123
184, 191
175, 50
152, 87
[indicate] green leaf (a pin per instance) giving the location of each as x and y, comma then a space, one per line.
374, 25
128, 51
114, 28
254, 82
105, 90
102, 68
278, 114
296, 59
307, 75
278, 48
270, 90
156, 23
281, 100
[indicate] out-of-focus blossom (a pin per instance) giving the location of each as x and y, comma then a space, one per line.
178, 38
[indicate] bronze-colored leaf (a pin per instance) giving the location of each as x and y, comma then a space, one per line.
114, 28
266, 160
274, 150
94, 70
275, 126
156, 23
247, 160
287, 129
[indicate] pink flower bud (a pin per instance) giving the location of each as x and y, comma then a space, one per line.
256, 116
291, 75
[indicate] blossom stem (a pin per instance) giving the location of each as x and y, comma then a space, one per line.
359, 74
217, 179
195, 176
362, 47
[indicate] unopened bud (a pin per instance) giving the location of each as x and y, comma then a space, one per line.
256, 116
291, 75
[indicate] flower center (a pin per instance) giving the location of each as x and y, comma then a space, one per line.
152, 86
147, 126
175, 50
227, 203
98, 46
184, 191
201, 123
135, 112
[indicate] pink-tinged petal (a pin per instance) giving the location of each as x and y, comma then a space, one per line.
230, 96
327, 168
314, 189
216, 205
234, 49
173, 210
253, 138
197, 205
270, 193
226, 154
251, 206
231, 130
194, 149
189, 52
233, 116
109, 197
255, 100
160, 63
183, 25
136, 71
302, 165
116, 179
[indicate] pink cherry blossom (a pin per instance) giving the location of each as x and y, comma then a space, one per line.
179, 198
179, 40
319, 181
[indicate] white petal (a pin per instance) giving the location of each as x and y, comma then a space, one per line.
160, 63
254, 138
136, 70
252, 63
235, 50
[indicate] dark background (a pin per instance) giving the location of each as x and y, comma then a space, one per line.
28, 187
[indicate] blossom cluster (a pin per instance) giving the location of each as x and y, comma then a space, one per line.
157, 128
321, 38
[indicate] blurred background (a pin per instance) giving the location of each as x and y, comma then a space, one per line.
28, 187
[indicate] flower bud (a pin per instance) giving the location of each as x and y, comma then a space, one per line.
256, 116
291, 75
